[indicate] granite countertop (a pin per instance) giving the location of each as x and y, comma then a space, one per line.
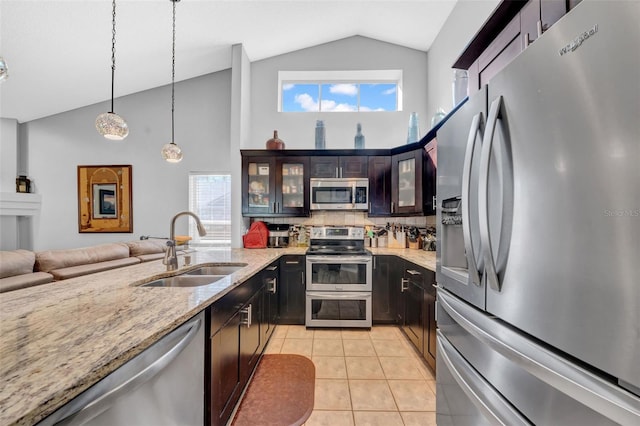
58, 339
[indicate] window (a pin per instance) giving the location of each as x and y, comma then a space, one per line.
340, 91
210, 199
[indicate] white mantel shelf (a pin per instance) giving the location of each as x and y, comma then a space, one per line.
19, 204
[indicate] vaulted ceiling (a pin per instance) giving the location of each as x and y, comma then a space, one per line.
59, 52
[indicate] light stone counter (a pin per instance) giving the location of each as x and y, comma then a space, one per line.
426, 259
58, 339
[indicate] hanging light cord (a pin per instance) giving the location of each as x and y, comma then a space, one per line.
173, 71
113, 51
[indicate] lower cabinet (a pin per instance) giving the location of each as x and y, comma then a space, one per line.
386, 270
292, 290
235, 326
417, 302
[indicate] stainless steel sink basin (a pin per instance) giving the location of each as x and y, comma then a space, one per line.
184, 281
217, 269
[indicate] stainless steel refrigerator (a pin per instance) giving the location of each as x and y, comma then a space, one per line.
538, 253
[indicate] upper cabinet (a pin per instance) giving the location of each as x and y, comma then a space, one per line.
509, 30
379, 185
352, 166
275, 186
412, 187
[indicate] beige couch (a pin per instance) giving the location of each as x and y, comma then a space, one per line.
17, 270
64, 264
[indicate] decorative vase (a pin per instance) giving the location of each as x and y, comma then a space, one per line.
413, 135
320, 142
275, 142
358, 140
437, 117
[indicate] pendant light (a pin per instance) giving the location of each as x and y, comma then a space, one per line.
4, 69
171, 152
109, 124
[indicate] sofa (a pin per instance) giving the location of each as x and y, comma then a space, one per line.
24, 268
17, 270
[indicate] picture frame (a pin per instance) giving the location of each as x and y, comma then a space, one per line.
105, 199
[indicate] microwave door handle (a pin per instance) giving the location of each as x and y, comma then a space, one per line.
483, 194
476, 124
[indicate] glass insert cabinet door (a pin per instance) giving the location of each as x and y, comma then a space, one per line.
292, 186
260, 194
407, 183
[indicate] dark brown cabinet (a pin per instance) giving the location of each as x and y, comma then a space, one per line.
379, 185
352, 166
270, 276
417, 293
275, 186
412, 183
292, 290
386, 270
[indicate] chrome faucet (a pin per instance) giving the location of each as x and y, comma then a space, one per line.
170, 256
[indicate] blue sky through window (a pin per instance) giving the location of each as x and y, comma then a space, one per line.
339, 97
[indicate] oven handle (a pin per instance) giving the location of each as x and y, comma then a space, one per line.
339, 259
338, 294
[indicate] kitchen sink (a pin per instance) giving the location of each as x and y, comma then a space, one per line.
184, 281
217, 269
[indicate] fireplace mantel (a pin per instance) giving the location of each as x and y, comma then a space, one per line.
19, 204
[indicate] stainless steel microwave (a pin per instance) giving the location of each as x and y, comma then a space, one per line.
339, 194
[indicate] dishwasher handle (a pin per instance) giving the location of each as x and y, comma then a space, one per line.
103, 395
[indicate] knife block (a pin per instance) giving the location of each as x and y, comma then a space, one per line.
398, 241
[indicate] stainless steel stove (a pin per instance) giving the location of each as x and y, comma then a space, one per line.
339, 278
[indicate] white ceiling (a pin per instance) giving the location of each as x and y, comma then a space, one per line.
59, 52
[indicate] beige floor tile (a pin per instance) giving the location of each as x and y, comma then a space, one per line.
280, 332
390, 348
332, 394
373, 395
377, 418
274, 346
384, 332
413, 395
401, 368
297, 346
330, 418
364, 367
327, 334
432, 386
327, 347
358, 347
330, 367
355, 334
419, 418
299, 332
425, 370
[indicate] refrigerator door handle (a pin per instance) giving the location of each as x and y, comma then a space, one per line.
476, 124
483, 194
484, 396
569, 378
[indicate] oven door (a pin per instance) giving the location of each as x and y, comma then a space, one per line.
339, 273
338, 309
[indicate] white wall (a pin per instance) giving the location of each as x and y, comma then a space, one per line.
463, 23
381, 130
58, 144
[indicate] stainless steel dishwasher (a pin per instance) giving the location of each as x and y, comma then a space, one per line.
164, 385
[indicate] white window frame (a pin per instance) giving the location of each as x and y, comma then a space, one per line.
208, 240
336, 77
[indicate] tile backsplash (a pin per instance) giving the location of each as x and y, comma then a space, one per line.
339, 218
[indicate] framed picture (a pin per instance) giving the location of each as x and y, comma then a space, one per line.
104, 199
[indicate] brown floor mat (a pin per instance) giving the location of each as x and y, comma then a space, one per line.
280, 393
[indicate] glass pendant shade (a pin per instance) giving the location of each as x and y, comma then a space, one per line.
172, 153
4, 69
112, 126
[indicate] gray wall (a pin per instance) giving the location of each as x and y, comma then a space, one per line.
381, 130
58, 144
463, 23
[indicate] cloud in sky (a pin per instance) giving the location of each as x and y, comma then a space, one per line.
307, 103
344, 89
367, 109
288, 86
390, 91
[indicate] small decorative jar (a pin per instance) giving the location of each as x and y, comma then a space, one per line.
275, 142
23, 184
